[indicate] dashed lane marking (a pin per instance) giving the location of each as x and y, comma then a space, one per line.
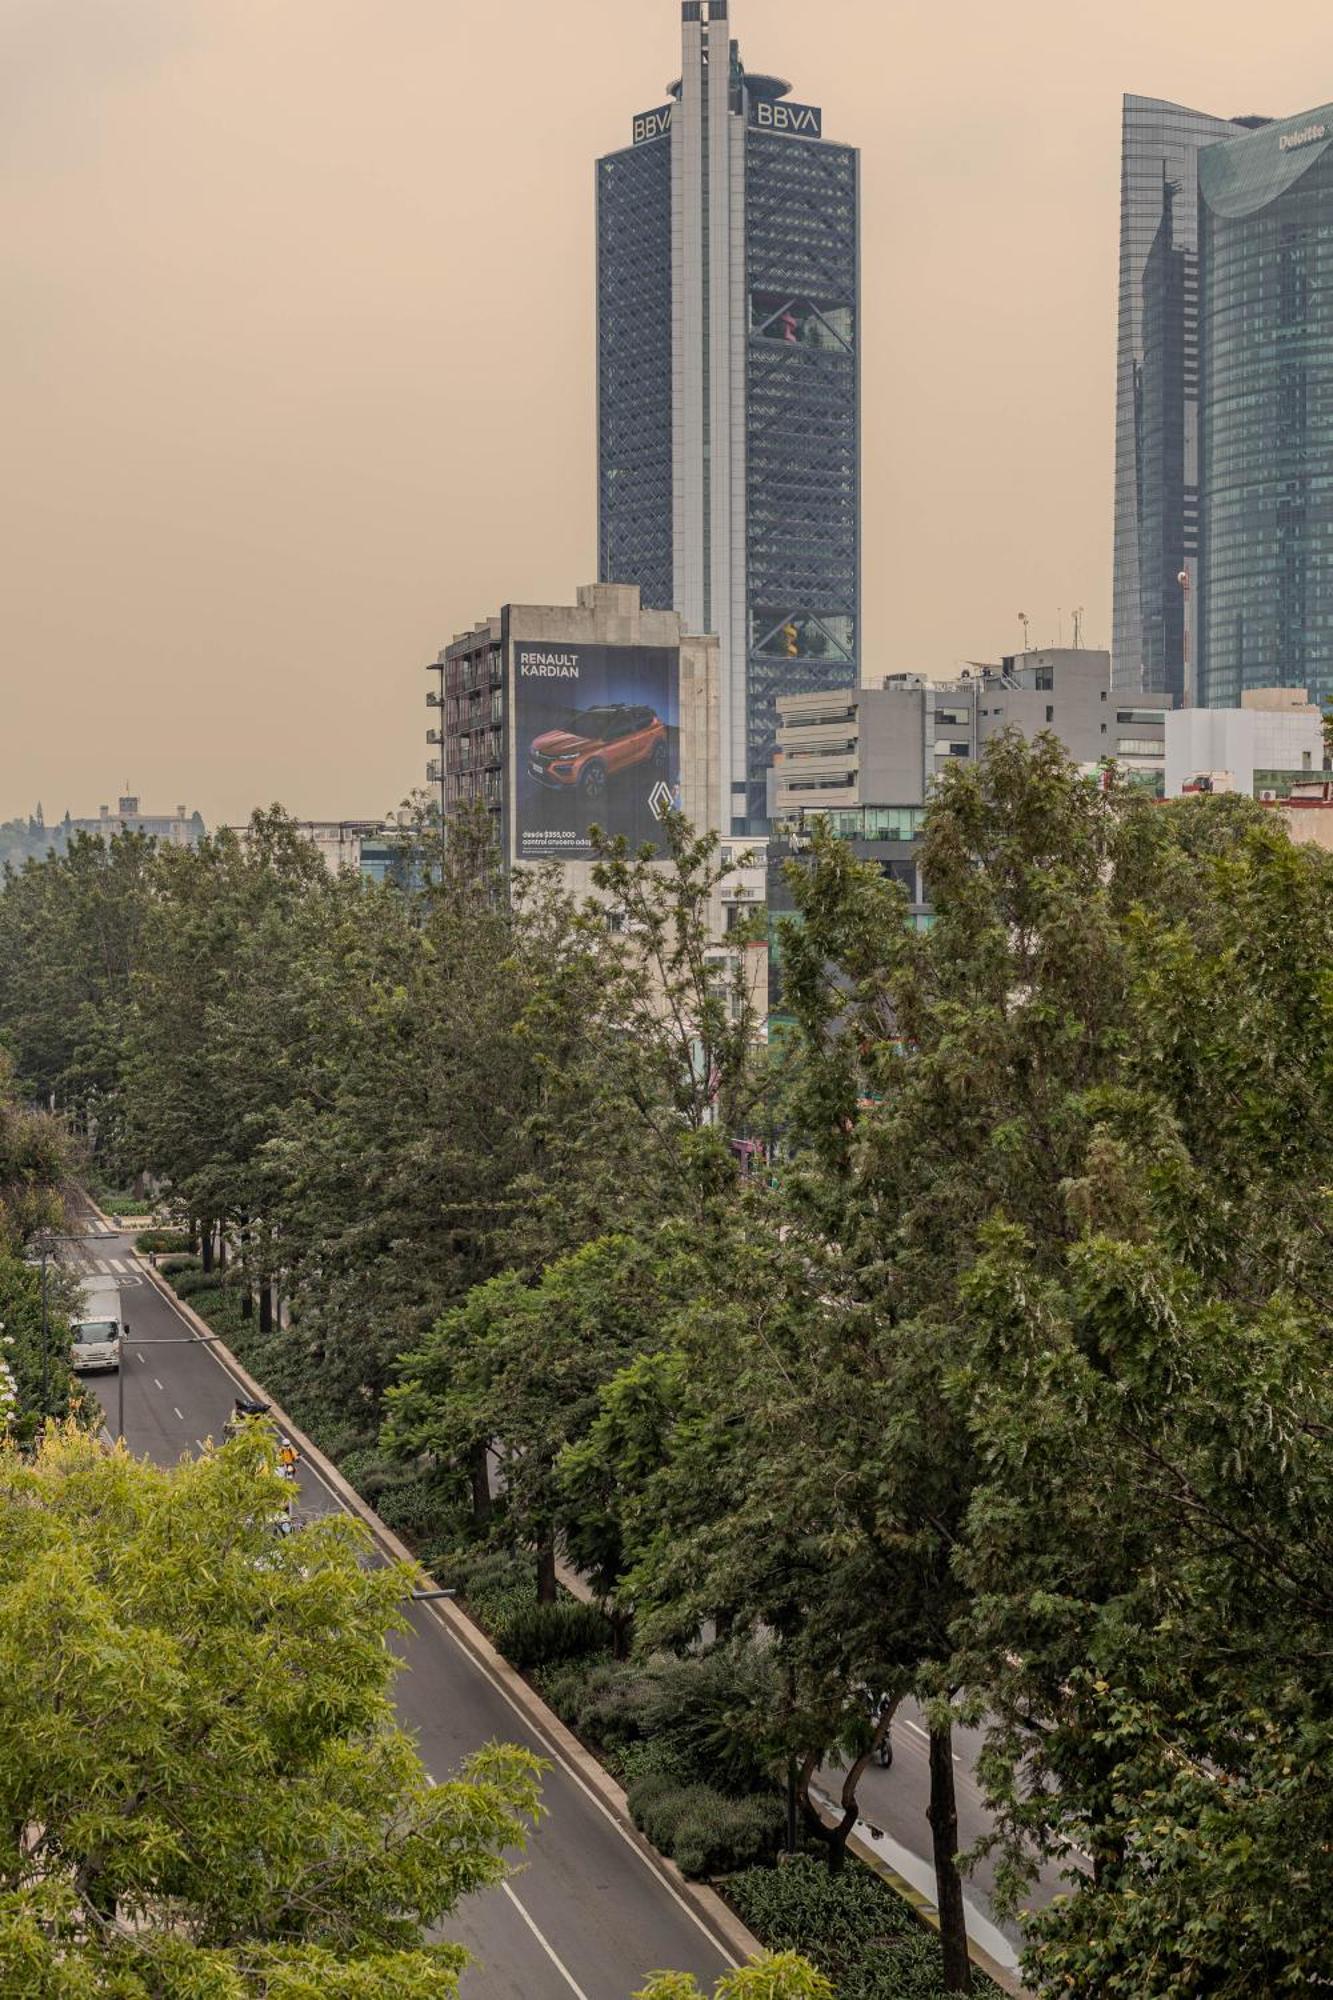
546, 1945
157, 1384
551, 1749
179, 1418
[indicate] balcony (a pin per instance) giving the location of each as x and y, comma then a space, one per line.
435, 736
434, 699
434, 771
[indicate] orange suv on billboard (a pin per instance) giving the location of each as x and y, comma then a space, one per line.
593, 743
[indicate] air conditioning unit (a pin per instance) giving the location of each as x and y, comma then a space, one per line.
1268, 798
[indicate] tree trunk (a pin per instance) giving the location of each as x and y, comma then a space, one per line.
247, 1304
546, 1587
943, 1816
206, 1244
266, 1307
842, 1832
222, 1246
479, 1466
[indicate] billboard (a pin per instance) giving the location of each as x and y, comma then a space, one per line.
597, 743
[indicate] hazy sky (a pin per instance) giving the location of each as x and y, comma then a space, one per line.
296, 345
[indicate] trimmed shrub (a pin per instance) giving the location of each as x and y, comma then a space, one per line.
162, 1240
175, 1267
702, 1830
540, 1635
195, 1283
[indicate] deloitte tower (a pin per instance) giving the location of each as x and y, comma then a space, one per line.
729, 387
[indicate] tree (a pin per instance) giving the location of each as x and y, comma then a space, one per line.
1153, 1577
516, 1370
202, 1787
785, 1976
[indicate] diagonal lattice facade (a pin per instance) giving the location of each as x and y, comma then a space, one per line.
634, 371
803, 430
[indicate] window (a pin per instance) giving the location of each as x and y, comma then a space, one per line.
1137, 746
1139, 715
1050, 712
1045, 680
953, 718
946, 748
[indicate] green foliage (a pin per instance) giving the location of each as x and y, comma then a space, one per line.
36, 1161
697, 1720
543, 1635
783, 1976
703, 1830
857, 1932
222, 1769
163, 1241
174, 1267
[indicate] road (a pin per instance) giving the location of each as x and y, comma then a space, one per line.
590, 1914
896, 1801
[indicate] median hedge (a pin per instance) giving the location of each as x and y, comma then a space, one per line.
851, 1926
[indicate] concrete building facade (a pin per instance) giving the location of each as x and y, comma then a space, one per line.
1277, 734
869, 756
729, 387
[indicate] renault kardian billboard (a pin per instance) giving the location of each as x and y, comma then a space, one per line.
597, 739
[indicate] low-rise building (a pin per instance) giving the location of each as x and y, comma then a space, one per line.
179, 829
1274, 737
879, 750
558, 718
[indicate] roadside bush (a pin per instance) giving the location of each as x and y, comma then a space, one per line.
494, 1585
712, 1709
702, 1830
162, 1241
415, 1501
195, 1283
175, 1267
862, 1936
126, 1204
539, 1635
603, 1701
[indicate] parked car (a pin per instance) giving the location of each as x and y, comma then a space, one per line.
591, 744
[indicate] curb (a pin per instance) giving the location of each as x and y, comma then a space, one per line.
1002, 1975
706, 1902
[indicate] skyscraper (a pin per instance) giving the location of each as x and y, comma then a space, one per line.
1157, 387
1265, 603
729, 386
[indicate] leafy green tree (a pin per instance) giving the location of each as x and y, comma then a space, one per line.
204, 1789
516, 1370
1153, 1579
70, 930
785, 1976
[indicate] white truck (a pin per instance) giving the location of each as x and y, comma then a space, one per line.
97, 1330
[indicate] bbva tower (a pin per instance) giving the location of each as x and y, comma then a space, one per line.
728, 253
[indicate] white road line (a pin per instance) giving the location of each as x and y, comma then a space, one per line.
924, 1734
178, 1414
138, 1357
158, 1384
116, 1265
479, 1666
556, 1961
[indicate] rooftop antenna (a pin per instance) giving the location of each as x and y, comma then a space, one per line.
1078, 629
1025, 622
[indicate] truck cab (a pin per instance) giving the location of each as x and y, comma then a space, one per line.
97, 1332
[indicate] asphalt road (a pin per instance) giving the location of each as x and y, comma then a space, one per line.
897, 1801
589, 1913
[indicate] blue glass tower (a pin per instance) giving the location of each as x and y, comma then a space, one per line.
729, 395
1266, 403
